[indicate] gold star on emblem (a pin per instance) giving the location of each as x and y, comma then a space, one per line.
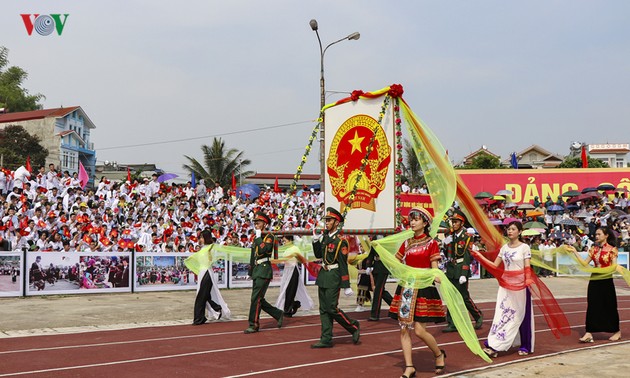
356, 142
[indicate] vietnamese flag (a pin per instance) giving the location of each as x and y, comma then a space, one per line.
233, 183
276, 188
584, 157
28, 164
128, 175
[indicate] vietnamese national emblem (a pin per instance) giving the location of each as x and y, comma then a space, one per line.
347, 150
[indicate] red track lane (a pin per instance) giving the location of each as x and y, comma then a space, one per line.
221, 349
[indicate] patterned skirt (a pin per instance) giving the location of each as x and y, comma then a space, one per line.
417, 305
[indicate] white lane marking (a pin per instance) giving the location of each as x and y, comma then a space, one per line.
489, 366
198, 336
241, 348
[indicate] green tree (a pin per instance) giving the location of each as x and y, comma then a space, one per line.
576, 162
13, 97
218, 164
16, 144
484, 161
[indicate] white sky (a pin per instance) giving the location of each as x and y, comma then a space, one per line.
505, 74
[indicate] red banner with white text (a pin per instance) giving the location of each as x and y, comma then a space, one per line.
528, 183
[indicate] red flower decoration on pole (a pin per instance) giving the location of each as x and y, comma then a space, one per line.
396, 90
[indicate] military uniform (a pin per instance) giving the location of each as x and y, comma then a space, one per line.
380, 274
264, 249
331, 278
459, 257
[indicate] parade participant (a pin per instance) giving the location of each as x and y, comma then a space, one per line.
415, 307
513, 315
379, 273
264, 249
458, 248
601, 298
207, 289
331, 278
293, 294
364, 285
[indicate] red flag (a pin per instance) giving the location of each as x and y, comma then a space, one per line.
128, 175
83, 176
28, 164
276, 188
584, 158
233, 183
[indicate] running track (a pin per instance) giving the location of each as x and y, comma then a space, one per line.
220, 349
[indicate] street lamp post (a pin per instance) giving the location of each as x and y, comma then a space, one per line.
322, 99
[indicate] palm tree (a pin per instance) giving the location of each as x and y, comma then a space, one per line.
219, 163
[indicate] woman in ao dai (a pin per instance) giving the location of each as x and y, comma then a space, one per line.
513, 323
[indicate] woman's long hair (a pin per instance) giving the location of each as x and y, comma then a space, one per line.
610, 236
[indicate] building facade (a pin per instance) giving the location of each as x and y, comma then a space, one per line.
65, 132
615, 154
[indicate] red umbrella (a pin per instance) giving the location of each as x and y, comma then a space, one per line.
507, 221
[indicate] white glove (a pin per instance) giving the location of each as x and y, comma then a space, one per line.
258, 233
368, 270
348, 291
462, 280
448, 240
317, 237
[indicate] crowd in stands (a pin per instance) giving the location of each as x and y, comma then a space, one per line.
49, 211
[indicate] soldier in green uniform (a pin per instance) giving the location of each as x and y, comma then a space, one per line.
548, 202
331, 278
458, 247
379, 273
263, 250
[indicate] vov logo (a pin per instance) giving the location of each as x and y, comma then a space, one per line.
44, 24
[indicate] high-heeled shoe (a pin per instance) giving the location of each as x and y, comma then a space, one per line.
439, 369
586, 339
490, 352
613, 338
412, 375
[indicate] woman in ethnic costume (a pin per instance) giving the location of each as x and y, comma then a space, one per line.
415, 307
513, 323
601, 297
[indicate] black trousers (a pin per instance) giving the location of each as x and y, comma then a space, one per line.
204, 296
289, 294
380, 294
470, 305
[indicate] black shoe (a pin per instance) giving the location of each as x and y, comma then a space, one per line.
412, 375
372, 319
288, 314
449, 328
356, 334
280, 320
251, 330
479, 323
321, 345
296, 306
200, 322
440, 369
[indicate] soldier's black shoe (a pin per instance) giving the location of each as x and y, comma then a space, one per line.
251, 330
280, 320
479, 323
321, 345
372, 319
449, 328
356, 334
